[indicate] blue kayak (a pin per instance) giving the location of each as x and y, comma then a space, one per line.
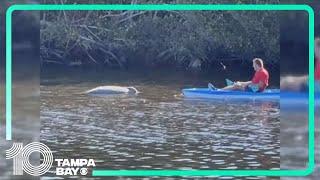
285, 98
269, 94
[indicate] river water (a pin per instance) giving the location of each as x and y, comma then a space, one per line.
158, 128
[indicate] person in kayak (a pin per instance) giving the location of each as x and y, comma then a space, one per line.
300, 83
258, 83
317, 61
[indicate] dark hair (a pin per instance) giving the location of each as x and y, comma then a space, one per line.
258, 61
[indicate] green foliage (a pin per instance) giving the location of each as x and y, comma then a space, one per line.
177, 38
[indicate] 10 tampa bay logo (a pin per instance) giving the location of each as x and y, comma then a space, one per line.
21, 161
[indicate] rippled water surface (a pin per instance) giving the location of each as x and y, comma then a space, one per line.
158, 128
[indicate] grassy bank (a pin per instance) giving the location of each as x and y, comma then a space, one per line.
185, 40
188, 40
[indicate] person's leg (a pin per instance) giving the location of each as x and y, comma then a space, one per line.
233, 87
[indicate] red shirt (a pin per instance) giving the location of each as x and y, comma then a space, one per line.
317, 71
263, 76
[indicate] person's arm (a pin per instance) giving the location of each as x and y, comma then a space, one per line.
256, 87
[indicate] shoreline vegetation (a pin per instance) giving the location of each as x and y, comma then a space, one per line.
201, 41
187, 40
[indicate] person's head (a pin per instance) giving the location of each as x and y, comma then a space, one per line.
257, 64
317, 47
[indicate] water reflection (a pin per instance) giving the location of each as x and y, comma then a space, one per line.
158, 129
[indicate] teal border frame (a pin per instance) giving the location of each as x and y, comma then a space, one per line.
185, 7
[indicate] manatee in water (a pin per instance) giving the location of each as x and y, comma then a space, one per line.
111, 90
